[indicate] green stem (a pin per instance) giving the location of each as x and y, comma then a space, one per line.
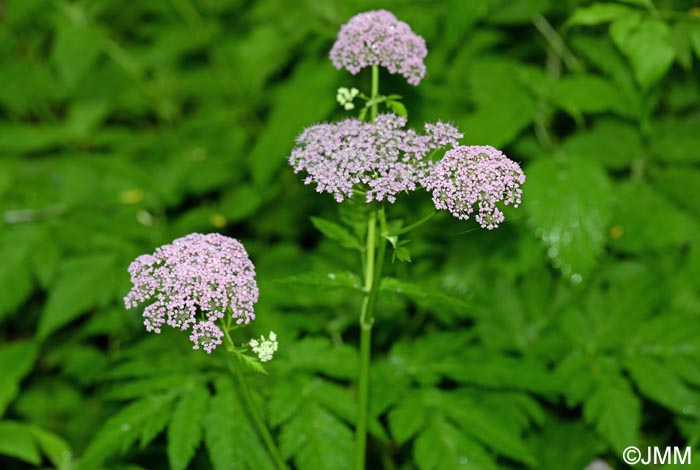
247, 397
375, 92
415, 225
374, 259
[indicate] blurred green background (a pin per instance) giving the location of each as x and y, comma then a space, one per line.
568, 334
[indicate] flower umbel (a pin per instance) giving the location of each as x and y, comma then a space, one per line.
379, 38
381, 157
476, 175
265, 348
191, 283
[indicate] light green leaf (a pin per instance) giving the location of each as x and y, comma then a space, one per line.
583, 94
16, 440
397, 107
185, 429
598, 13
16, 361
569, 203
75, 50
647, 45
337, 233
84, 283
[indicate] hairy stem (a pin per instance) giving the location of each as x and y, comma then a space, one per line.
374, 259
247, 396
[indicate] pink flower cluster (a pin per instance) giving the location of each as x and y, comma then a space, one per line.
476, 175
191, 283
379, 38
381, 157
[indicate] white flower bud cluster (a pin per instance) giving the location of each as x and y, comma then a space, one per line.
265, 348
346, 96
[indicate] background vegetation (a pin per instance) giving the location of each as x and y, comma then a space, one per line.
566, 335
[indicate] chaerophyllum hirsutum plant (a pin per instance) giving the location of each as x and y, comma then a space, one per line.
375, 159
205, 285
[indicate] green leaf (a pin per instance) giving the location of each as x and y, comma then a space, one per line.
337, 233
84, 283
681, 185
583, 94
407, 419
54, 447
16, 440
569, 203
503, 106
299, 93
565, 445
661, 385
598, 13
121, 430
614, 144
316, 439
75, 50
442, 446
431, 299
16, 280
16, 361
647, 45
397, 107
615, 411
230, 439
641, 207
185, 428
675, 139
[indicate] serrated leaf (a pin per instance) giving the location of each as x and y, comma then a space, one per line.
615, 411
442, 446
16, 440
122, 430
337, 233
230, 439
16, 361
569, 203
185, 428
80, 287
313, 354
316, 439
565, 445
661, 385
407, 419
54, 447
155, 424
431, 299
647, 45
